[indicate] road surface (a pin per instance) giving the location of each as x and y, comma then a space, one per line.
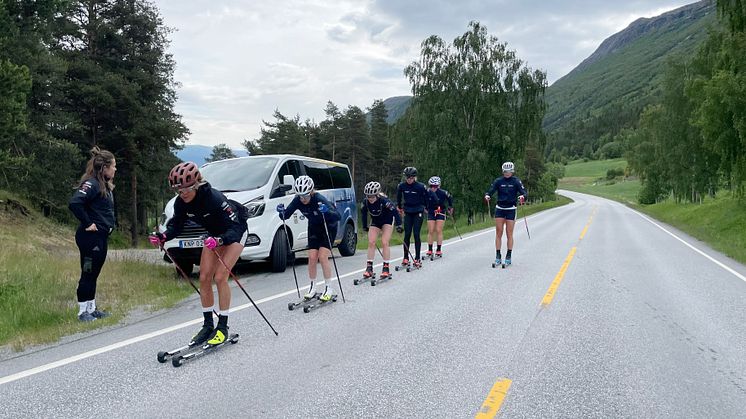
603, 314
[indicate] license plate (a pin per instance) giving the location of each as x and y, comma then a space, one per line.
189, 244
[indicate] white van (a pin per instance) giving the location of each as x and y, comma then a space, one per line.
260, 183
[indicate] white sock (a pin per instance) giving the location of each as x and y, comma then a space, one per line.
223, 312
207, 309
329, 287
83, 307
92, 305
310, 289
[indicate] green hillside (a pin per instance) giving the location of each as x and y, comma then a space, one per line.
608, 90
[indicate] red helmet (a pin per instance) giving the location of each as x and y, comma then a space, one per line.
184, 175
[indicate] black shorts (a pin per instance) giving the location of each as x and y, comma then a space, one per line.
508, 214
433, 216
317, 237
379, 223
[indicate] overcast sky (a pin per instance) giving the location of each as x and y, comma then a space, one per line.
238, 61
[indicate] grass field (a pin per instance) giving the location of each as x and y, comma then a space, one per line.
449, 231
720, 222
39, 271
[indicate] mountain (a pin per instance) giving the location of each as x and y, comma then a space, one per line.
198, 153
609, 89
396, 107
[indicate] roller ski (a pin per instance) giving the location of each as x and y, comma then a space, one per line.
197, 340
307, 299
219, 340
498, 262
416, 265
368, 275
404, 265
385, 276
326, 298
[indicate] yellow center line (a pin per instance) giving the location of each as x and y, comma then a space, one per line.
494, 399
549, 296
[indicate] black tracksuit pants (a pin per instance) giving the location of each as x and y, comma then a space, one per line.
412, 222
93, 248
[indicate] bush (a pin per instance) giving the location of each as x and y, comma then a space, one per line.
612, 174
556, 169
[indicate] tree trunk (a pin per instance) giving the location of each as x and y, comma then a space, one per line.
133, 197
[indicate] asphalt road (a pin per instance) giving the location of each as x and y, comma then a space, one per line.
628, 321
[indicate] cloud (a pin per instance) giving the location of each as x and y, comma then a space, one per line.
238, 61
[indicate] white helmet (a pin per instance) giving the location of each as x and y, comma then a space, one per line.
508, 166
372, 188
303, 185
435, 180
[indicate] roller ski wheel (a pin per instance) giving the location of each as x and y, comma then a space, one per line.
371, 277
177, 361
497, 263
162, 357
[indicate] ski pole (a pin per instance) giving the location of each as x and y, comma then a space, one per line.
379, 251
331, 252
183, 274
235, 278
525, 221
297, 288
456, 227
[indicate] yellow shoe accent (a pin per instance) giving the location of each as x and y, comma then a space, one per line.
217, 339
326, 297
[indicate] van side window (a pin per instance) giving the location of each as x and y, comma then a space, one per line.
290, 167
320, 174
340, 177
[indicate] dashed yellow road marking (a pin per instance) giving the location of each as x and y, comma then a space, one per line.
549, 296
494, 399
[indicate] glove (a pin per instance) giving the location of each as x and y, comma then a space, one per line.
157, 239
521, 199
281, 208
399, 229
323, 208
487, 198
212, 242
450, 211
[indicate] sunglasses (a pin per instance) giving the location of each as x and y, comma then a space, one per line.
304, 197
182, 191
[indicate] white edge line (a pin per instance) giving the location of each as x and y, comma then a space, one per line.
127, 342
715, 261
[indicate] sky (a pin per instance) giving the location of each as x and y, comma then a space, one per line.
237, 61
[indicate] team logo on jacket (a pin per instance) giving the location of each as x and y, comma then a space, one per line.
229, 210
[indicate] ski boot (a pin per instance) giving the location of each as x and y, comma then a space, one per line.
219, 337
385, 274
310, 294
416, 265
202, 336
508, 262
327, 295
497, 263
429, 254
368, 271
438, 253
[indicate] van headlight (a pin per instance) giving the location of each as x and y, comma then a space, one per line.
255, 207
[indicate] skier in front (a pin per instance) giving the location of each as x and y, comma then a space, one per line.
509, 191
225, 222
411, 197
317, 209
383, 215
439, 201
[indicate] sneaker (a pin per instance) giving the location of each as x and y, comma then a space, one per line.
429, 253
368, 271
86, 317
498, 262
327, 295
311, 293
439, 253
204, 333
405, 262
99, 314
219, 336
508, 261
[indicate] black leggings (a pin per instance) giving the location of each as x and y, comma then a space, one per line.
412, 219
93, 247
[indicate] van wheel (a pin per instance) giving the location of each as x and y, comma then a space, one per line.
278, 255
187, 267
348, 246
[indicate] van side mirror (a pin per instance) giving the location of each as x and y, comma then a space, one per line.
288, 180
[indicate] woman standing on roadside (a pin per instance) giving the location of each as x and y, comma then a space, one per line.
93, 206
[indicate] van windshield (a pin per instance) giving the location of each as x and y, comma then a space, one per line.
239, 174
